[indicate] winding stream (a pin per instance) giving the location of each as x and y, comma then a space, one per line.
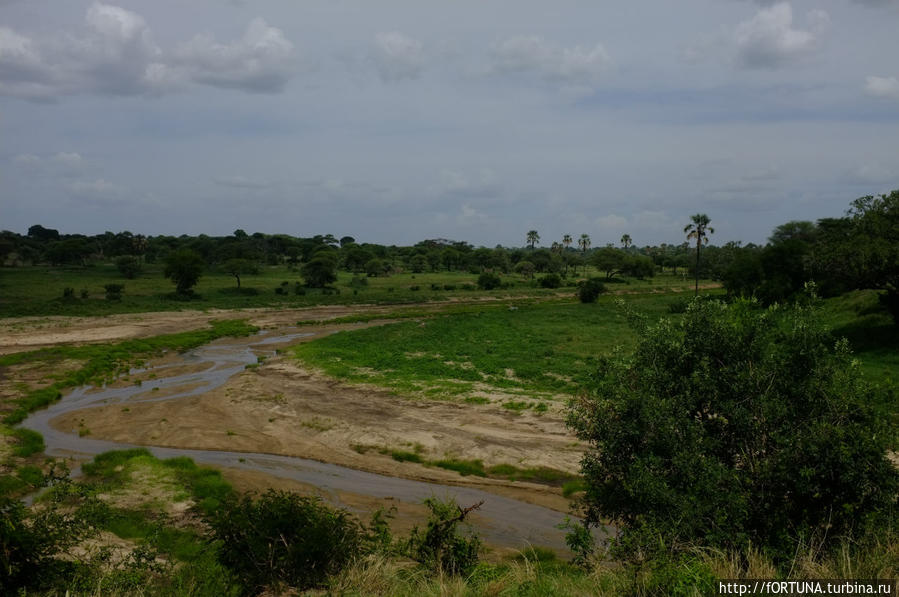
500, 521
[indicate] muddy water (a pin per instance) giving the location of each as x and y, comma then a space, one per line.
500, 521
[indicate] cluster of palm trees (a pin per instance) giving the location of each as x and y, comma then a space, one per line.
698, 229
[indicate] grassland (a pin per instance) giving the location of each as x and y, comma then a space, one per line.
536, 350
545, 349
39, 290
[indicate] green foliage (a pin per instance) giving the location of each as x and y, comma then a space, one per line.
320, 271
240, 267
551, 281
128, 265
184, 268
114, 291
30, 442
489, 281
579, 540
463, 467
439, 547
589, 290
283, 538
404, 456
735, 426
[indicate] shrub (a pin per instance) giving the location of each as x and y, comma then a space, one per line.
85, 293
551, 281
358, 282
439, 547
489, 281
755, 422
184, 267
68, 293
114, 291
589, 290
283, 538
128, 265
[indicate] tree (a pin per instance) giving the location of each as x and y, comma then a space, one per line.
566, 241
626, 241
533, 238
128, 266
699, 230
583, 243
733, 426
184, 268
525, 268
320, 271
589, 290
238, 267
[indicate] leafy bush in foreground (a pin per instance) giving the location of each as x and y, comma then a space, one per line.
736, 426
284, 538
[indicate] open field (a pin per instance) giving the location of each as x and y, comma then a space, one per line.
39, 290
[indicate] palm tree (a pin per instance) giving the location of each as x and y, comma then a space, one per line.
626, 241
584, 243
533, 238
566, 240
699, 229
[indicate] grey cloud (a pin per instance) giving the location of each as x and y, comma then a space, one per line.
886, 87
240, 182
398, 57
115, 54
571, 65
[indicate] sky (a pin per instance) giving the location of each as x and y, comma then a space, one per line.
475, 120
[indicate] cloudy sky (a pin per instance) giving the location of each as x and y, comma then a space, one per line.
396, 121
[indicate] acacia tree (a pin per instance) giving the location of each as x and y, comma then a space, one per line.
734, 426
239, 267
184, 267
533, 238
698, 230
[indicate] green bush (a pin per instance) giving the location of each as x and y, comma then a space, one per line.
489, 281
114, 291
128, 265
734, 426
589, 290
551, 281
283, 538
439, 547
30, 442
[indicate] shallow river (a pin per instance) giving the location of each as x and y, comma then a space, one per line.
500, 521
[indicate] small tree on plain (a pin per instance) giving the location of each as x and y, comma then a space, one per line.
184, 268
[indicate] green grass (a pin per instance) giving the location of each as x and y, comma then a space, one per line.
102, 362
38, 290
30, 442
538, 348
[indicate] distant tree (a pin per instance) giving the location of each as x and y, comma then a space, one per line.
239, 267
320, 271
533, 238
583, 244
184, 268
626, 241
525, 268
609, 260
566, 241
42, 234
375, 267
346, 240
418, 263
698, 230
128, 265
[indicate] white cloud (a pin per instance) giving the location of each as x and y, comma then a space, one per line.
887, 87
115, 54
480, 185
27, 159
398, 57
261, 61
769, 39
576, 65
